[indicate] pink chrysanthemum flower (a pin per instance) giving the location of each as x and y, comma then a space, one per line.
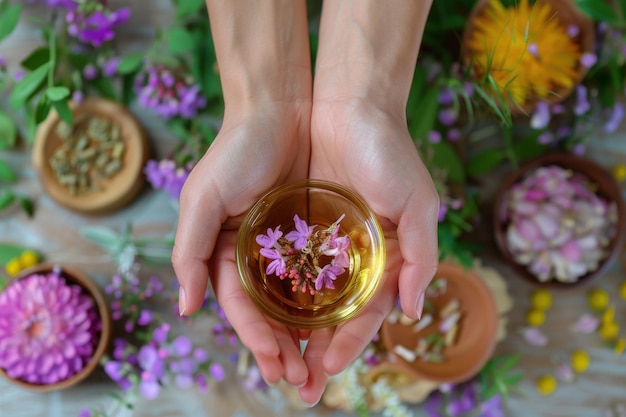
48, 329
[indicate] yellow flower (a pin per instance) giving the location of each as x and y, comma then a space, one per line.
546, 384
13, 267
29, 258
619, 172
525, 49
580, 361
620, 346
622, 290
609, 331
535, 317
541, 299
598, 299
609, 315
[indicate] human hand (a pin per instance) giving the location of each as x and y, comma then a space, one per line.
369, 150
256, 149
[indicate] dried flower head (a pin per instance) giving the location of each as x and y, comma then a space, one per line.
557, 225
312, 259
48, 329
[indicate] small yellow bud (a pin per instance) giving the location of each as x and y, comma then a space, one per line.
619, 172
541, 299
598, 299
546, 384
13, 267
29, 258
579, 361
535, 318
609, 331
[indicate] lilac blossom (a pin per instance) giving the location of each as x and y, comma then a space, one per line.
277, 265
541, 117
573, 30
448, 116
166, 175
453, 135
170, 96
90, 72
326, 276
588, 59
434, 136
545, 138
617, 115
301, 235
268, 241
78, 96
109, 69
534, 336
95, 27
582, 104
446, 97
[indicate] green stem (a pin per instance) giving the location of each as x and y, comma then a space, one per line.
53, 57
508, 145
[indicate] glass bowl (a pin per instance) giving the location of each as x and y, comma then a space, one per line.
310, 254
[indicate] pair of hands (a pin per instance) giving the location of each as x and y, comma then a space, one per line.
350, 142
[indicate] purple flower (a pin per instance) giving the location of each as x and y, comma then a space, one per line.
533, 49
545, 138
541, 117
300, 236
492, 407
448, 116
90, 72
278, 265
434, 136
95, 28
446, 97
78, 96
579, 149
443, 210
48, 329
268, 241
217, 371
617, 115
573, 30
84, 413
326, 276
19, 75
115, 370
168, 94
588, 59
182, 346
582, 104
145, 318
149, 387
166, 175
453, 135
3, 63
338, 248
110, 67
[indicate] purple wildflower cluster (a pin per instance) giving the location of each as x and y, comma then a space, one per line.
163, 360
169, 94
49, 329
93, 23
448, 116
167, 175
463, 400
300, 255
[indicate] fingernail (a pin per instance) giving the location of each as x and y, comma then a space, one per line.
310, 405
420, 306
182, 301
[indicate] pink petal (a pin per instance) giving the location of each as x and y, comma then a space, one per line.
586, 324
534, 337
571, 251
547, 224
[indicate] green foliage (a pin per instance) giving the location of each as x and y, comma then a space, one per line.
8, 132
499, 376
599, 10
9, 17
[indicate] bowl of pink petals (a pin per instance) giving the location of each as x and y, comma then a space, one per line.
559, 220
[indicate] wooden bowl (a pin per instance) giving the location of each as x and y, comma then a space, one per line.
607, 189
74, 277
109, 193
477, 335
568, 14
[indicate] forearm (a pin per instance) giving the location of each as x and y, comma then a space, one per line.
262, 50
368, 50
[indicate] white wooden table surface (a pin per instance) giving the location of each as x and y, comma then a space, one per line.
55, 231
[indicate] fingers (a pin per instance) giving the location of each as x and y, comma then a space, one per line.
417, 235
314, 355
200, 221
295, 369
353, 336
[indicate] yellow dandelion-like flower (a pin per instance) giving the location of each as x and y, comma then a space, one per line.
525, 49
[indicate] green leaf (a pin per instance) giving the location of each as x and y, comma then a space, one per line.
597, 10
179, 40
63, 110
36, 59
130, 63
28, 85
447, 159
27, 206
9, 19
7, 197
10, 251
6, 173
529, 147
186, 8
104, 237
43, 109
421, 119
8, 132
57, 93
104, 86
485, 161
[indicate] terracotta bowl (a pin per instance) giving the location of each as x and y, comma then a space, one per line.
607, 189
109, 194
475, 341
74, 277
568, 14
